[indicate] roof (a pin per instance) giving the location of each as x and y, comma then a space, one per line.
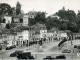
54, 29
7, 31
76, 33
68, 31
4, 15
32, 12
61, 32
39, 25
18, 16
36, 36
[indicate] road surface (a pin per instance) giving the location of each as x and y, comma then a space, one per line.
51, 47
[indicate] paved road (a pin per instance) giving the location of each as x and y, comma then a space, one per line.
47, 47
5, 53
68, 56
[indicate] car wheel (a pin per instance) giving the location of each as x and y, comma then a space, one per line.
70, 51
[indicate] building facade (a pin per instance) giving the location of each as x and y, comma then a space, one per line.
20, 20
32, 14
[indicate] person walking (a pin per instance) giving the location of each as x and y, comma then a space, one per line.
71, 43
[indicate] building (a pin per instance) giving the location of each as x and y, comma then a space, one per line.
11, 39
20, 20
61, 35
8, 37
31, 34
40, 29
52, 33
76, 36
22, 37
32, 14
6, 19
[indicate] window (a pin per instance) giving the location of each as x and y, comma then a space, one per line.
21, 20
31, 16
4, 20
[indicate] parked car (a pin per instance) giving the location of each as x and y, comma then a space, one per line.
15, 54
49, 58
66, 51
10, 47
61, 57
75, 46
25, 55
30, 57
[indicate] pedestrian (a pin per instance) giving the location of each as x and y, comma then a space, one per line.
71, 43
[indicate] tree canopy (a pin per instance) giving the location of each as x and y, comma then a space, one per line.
5, 9
18, 8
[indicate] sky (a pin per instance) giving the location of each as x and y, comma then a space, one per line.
50, 6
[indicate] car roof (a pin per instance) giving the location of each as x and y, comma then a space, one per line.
18, 51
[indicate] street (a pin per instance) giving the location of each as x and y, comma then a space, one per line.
47, 48
68, 56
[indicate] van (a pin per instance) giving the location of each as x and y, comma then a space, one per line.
24, 55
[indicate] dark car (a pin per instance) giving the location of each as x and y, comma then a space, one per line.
10, 47
15, 54
66, 51
61, 57
25, 55
75, 46
30, 57
48, 58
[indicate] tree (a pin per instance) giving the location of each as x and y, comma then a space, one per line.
18, 8
73, 26
13, 10
5, 9
62, 13
64, 26
31, 21
67, 14
52, 22
78, 17
40, 17
71, 15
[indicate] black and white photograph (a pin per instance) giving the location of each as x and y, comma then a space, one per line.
39, 29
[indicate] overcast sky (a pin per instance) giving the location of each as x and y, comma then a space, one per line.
50, 6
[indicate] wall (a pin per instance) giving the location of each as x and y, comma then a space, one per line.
25, 21
16, 20
25, 34
8, 19
43, 33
